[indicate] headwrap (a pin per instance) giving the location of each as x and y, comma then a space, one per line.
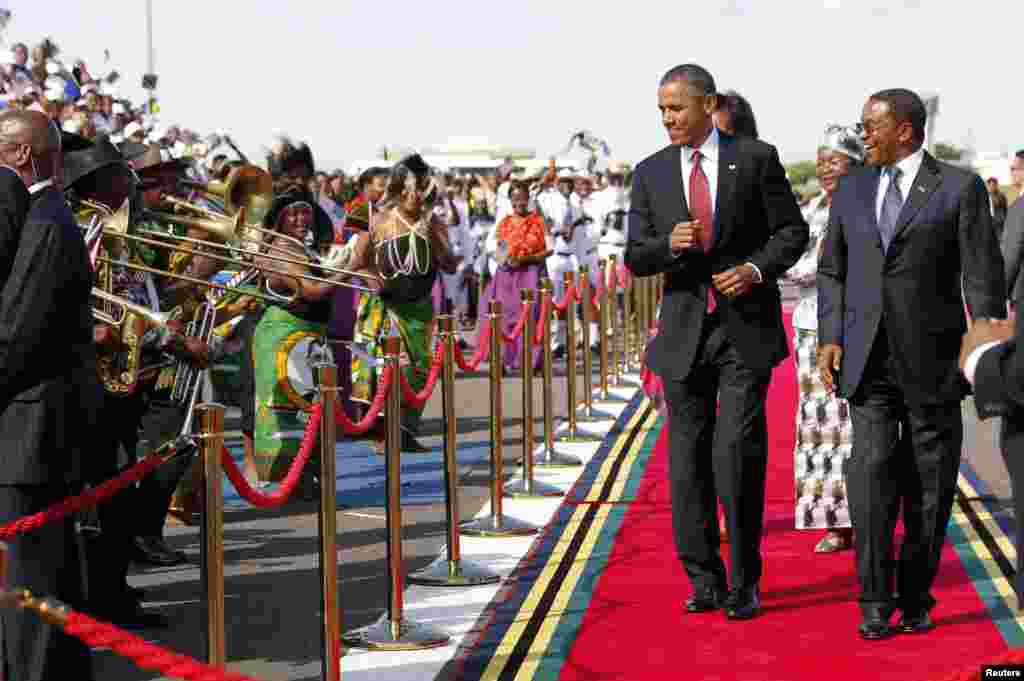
322, 229
845, 140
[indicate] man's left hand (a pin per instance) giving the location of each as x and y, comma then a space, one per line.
197, 352
734, 282
984, 331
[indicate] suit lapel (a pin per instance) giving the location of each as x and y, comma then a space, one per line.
927, 181
868, 197
674, 173
725, 191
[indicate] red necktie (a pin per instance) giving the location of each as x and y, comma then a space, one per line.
701, 211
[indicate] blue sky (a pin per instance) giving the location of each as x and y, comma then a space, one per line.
351, 76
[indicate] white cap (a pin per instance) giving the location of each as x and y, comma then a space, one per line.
72, 125
117, 108
54, 94
53, 67
132, 128
566, 174
117, 138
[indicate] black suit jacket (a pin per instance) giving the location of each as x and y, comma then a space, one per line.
757, 220
48, 377
944, 239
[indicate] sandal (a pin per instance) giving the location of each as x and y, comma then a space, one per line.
833, 541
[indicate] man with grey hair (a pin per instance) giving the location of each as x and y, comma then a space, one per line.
716, 216
49, 390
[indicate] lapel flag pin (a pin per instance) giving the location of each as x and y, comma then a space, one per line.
732, 166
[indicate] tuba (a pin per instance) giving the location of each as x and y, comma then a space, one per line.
247, 188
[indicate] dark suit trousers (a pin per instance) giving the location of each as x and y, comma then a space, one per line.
718, 456
46, 561
886, 469
161, 423
1011, 440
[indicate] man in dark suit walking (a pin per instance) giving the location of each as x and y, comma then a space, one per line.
904, 235
717, 216
48, 385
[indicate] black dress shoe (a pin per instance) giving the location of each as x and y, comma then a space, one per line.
153, 551
705, 600
874, 626
744, 604
411, 444
915, 623
133, 617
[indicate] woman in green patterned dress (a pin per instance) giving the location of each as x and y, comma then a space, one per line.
405, 247
287, 335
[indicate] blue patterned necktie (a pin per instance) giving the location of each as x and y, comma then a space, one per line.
892, 203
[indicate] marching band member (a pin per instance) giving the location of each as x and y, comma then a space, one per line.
405, 247
99, 175
287, 334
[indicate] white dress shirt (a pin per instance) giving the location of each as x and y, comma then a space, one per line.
708, 163
909, 167
971, 365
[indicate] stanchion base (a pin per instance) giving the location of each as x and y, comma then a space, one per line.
517, 489
579, 438
595, 415
552, 458
461, 572
409, 636
502, 526
609, 401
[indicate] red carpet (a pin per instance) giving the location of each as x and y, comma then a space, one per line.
634, 628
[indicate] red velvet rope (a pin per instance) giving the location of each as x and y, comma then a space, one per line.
146, 655
278, 498
545, 311
517, 331
417, 400
364, 424
88, 498
483, 349
570, 294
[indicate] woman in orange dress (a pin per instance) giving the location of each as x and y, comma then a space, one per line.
522, 249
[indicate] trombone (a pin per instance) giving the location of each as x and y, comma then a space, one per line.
127, 308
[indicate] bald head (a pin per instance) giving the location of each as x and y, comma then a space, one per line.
29, 143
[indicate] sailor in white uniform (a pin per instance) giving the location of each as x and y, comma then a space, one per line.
591, 209
561, 216
615, 210
454, 212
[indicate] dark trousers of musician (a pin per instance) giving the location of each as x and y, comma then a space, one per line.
160, 423
887, 469
45, 561
718, 456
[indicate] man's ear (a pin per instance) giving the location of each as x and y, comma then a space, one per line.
711, 103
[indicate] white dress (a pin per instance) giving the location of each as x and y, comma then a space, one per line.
824, 432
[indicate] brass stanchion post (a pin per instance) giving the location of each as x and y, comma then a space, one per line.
497, 524
589, 415
609, 341
628, 324
394, 631
327, 376
604, 320
211, 421
612, 302
573, 434
546, 455
451, 569
527, 487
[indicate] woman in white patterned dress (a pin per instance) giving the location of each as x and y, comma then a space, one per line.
824, 432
